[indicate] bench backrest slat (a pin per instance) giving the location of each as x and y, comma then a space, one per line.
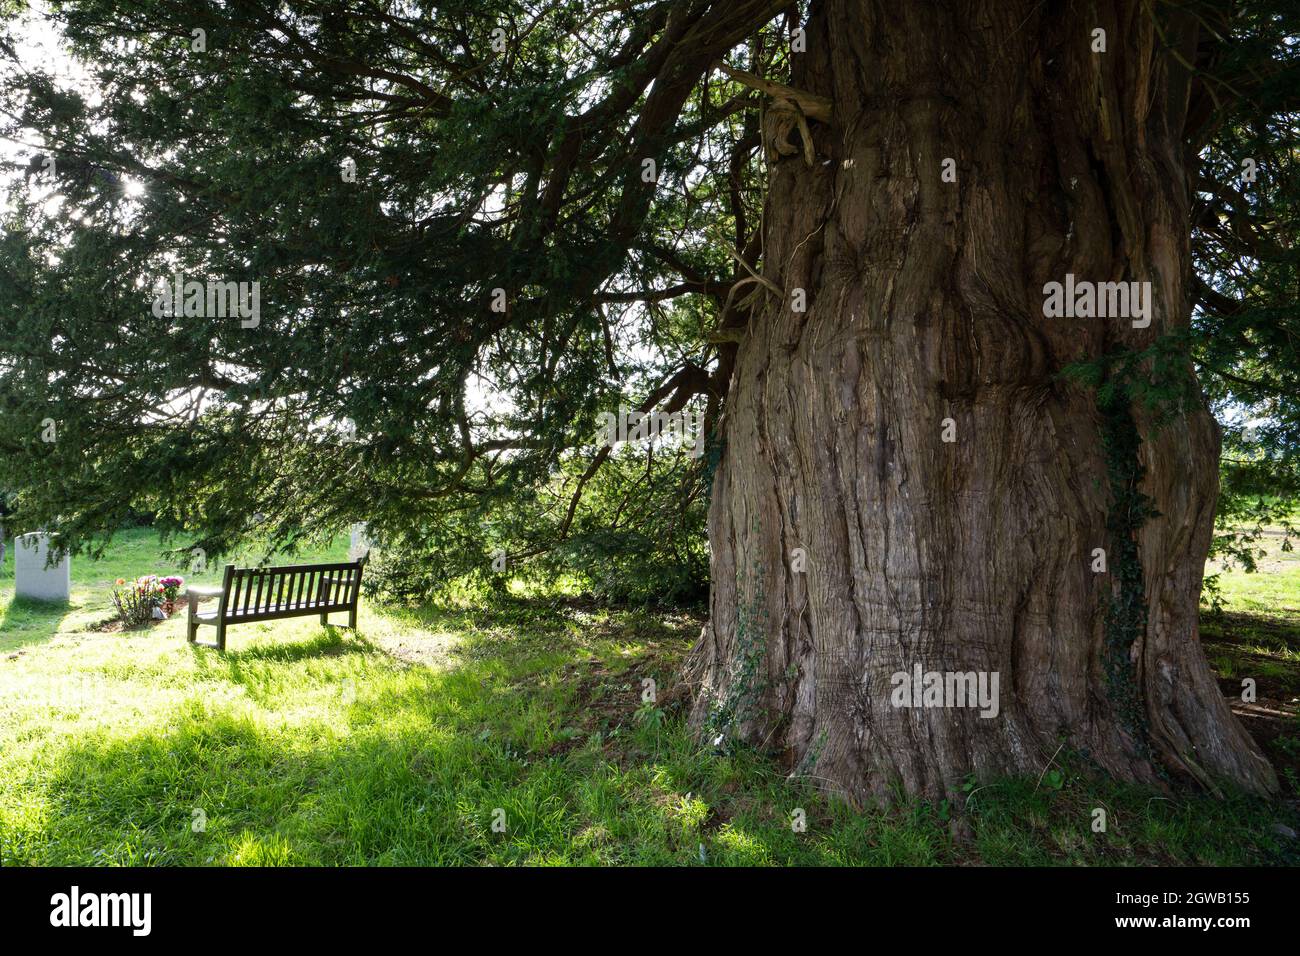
223, 606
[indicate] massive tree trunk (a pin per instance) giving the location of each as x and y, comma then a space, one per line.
850, 541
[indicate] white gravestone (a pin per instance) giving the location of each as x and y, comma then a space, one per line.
32, 579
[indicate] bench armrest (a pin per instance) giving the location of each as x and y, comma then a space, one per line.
202, 592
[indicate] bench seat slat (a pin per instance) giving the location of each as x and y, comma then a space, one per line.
314, 607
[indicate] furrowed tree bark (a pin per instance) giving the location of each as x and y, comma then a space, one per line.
925, 303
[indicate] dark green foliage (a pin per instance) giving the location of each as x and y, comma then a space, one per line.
379, 384
1247, 322
638, 538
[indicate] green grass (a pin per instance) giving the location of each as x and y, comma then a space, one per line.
1256, 635
1274, 592
1257, 632
134, 552
309, 745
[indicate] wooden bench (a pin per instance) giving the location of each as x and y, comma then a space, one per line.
266, 594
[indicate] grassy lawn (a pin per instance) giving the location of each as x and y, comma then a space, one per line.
403, 744
1257, 635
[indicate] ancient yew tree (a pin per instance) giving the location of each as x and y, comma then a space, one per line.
830, 227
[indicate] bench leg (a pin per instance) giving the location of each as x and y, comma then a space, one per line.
352, 617
324, 620
221, 635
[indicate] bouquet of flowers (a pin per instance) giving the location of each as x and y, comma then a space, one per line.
171, 586
137, 600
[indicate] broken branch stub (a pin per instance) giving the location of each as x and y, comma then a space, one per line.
787, 98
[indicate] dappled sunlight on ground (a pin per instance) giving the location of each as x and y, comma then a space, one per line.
510, 732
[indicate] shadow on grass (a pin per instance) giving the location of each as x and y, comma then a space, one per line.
413, 772
329, 642
1264, 650
418, 778
24, 621
511, 628
537, 718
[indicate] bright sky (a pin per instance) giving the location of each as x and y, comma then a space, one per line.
38, 47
